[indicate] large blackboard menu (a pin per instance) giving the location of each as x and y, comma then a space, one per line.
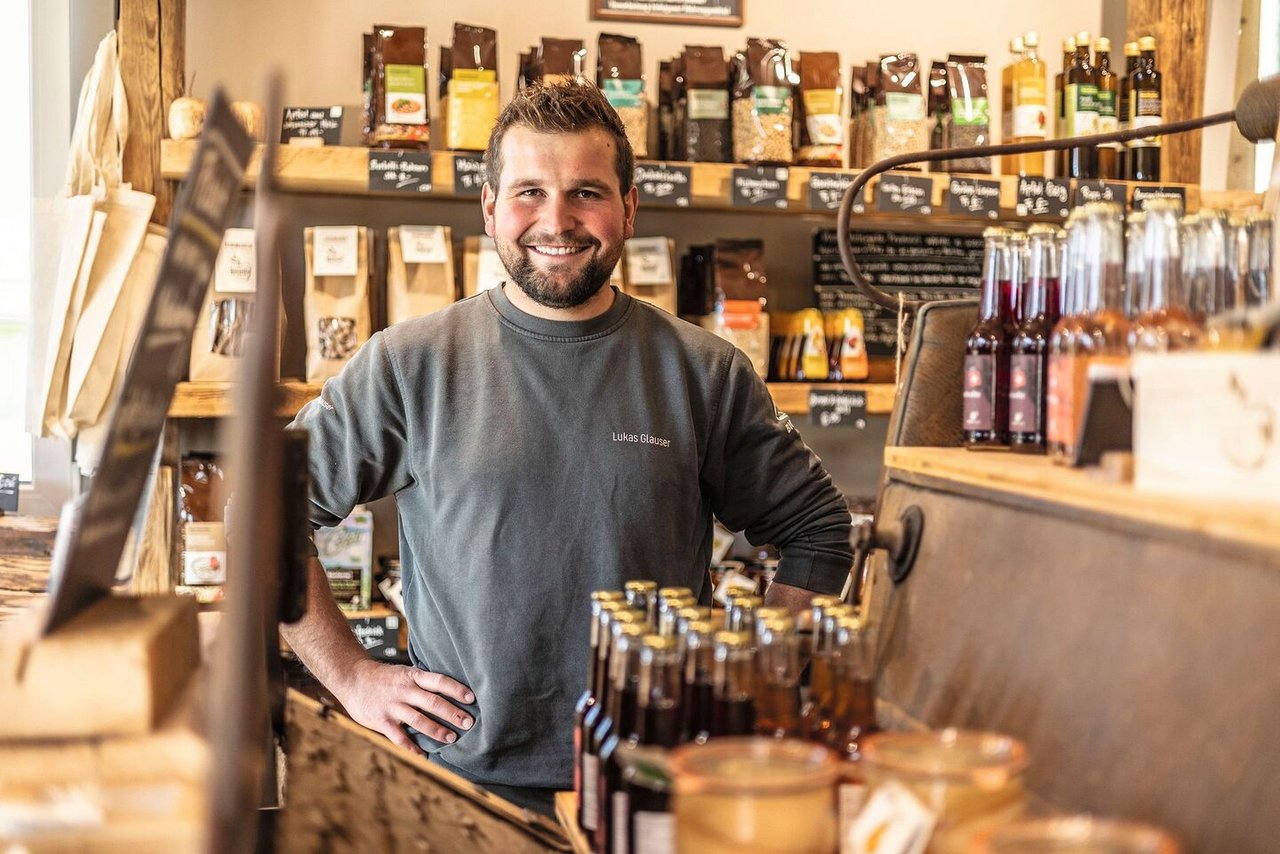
920, 266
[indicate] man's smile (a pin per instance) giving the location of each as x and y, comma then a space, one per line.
556, 251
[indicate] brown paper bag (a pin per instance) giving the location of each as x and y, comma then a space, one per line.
336, 302
419, 271
222, 330
650, 271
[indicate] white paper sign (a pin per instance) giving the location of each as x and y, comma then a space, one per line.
335, 250
236, 269
649, 261
423, 244
893, 822
490, 272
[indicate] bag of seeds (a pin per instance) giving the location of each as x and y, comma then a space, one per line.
473, 91
706, 135
968, 122
419, 271
336, 301
939, 107
666, 109
763, 103
561, 60
221, 332
900, 108
822, 130
619, 74
399, 65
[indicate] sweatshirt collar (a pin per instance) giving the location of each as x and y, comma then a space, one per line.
566, 330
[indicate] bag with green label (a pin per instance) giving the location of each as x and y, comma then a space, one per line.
619, 75
968, 122
899, 115
399, 82
763, 103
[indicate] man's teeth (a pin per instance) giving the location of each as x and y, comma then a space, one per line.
557, 250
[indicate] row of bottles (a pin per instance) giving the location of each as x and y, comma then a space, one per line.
1089, 98
817, 346
1058, 306
663, 674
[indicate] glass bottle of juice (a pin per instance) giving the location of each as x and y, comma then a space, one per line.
853, 655
698, 681
986, 361
1122, 106
1059, 401
618, 726
611, 620
1080, 108
1029, 111
600, 600
1163, 322
1061, 169
1103, 339
815, 716
1029, 350
812, 365
1016, 49
778, 684
1108, 122
1146, 109
733, 681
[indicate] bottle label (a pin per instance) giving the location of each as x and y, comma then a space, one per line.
1108, 122
590, 795
620, 836
850, 799
1145, 108
979, 391
1082, 109
1025, 388
1030, 121
655, 833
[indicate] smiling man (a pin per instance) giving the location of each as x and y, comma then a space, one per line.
542, 440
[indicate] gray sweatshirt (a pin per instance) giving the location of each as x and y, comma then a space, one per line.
534, 461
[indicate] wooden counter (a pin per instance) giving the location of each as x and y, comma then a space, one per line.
26, 548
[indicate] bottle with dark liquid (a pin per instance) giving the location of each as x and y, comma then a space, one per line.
669, 608
1029, 350
618, 726
1059, 401
600, 600
778, 678
1080, 107
853, 656
1122, 106
1060, 131
648, 787
986, 361
1163, 322
644, 596
1146, 109
734, 689
612, 624
1103, 339
699, 681
687, 615
818, 713
1108, 120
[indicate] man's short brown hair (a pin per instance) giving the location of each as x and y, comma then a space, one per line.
561, 108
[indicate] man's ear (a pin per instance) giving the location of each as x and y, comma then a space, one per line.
487, 201
630, 202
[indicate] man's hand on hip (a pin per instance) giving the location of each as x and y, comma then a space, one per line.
387, 697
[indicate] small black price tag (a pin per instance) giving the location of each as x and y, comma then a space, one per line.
468, 174
663, 184
826, 190
400, 171
838, 408
973, 197
311, 125
1042, 197
1098, 191
1143, 193
904, 194
8, 492
760, 187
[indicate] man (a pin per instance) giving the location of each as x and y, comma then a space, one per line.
545, 439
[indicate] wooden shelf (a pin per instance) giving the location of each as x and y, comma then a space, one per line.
344, 170
214, 400
1037, 480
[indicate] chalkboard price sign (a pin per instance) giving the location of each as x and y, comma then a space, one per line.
468, 174
663, 184
838, 408
760, 187
973, 197
8, 492
1142, 195
904, 194
400, 171
1042, 197
826, 190
1099, 191
311, 126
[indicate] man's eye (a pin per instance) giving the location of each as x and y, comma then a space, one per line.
588, 194
531, 192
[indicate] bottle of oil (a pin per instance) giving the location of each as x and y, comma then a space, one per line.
1028, 113
617, 727
1108, 122
1146, 109
600, 600
1122, 105
1080, 109
1060, 105
778, 686
1016, 48
734, 688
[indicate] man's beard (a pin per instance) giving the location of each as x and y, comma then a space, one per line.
544, 287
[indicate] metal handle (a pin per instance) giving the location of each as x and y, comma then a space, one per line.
899, 538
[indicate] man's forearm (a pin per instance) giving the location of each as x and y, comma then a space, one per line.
794, 599
322, 638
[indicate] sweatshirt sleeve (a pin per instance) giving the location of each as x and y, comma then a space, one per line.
762, 479
359, 442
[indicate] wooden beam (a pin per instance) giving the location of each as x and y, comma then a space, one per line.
1181, 29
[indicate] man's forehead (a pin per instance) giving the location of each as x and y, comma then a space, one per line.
586, 154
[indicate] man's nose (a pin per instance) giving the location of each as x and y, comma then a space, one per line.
559, 216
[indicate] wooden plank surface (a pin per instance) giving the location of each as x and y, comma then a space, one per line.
1038, 479
567, 813
173, 66
26, 548
1181, 29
